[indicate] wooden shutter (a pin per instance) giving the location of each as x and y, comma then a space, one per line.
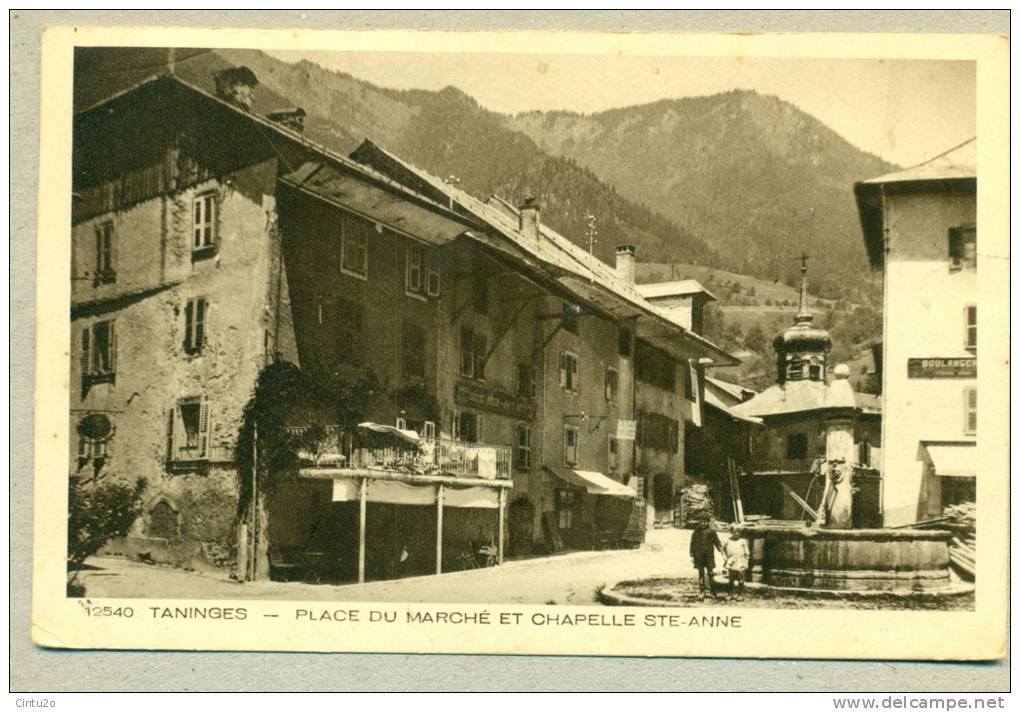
204, 430
112, 345
432, 278
574, 385
189, 324
563, 370
200, 309
86, 356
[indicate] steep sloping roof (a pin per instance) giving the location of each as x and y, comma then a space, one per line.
738, 392
711, 399
954, 170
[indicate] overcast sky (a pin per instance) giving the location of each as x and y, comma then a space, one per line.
903, 111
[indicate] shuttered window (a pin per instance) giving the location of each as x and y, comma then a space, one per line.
105, 272
98, 356
569, 372
970, 338
190, 430
204, 223
195, 313
970, 411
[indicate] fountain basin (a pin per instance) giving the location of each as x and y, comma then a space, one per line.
892, 560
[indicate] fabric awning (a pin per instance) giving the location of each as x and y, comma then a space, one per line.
348, 489
593, 482
407, 435
953, 459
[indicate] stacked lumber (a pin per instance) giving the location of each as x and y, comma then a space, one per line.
695, 505
961, 519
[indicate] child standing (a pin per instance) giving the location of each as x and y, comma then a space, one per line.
737, 560
704, 542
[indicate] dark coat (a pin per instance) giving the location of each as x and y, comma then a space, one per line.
704, 542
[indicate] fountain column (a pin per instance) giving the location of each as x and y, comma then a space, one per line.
840, 452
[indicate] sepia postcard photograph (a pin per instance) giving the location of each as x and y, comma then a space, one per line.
574, 343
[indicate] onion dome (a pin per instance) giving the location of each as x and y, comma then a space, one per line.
801, 350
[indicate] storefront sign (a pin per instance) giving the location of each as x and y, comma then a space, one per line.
626, 429
942, 368
473, 395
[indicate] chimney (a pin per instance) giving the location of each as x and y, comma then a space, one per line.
529, 220
293, 119
625, 262
236, 85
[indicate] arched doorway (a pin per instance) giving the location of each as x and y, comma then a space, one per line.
521, 526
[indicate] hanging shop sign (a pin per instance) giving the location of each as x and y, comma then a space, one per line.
942, 368
626, 429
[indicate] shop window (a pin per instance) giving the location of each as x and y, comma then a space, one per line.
796, 446
472, 353
566, 503
413, 350
353, 250
525, 380
569, 372
98, 353
190, 430
970, 411
204, 224
570, 438
195, 312
523, 452
105, 269
970, 342
962, 247
612, 384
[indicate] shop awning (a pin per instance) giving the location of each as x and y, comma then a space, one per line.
348, 489
953, 459
407, 435
593, 482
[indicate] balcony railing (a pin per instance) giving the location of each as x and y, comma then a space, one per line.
428, 456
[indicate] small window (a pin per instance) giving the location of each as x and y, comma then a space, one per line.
815, 372
566, 501
467, 426
970, 342
962, 247
796, 446
625, 344
98, 353
414, 271
523, 456
570, 437
105, 271
614, 453
190, 430
970, 411
413, 350
204, 226
864, 453
568, 372
525, 380
353, 250
92, 450
795, 370
432, 283
612, 384
195, 312
472, 353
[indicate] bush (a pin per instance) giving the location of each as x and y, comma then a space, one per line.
96, 513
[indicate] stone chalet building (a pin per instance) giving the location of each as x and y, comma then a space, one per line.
529, 392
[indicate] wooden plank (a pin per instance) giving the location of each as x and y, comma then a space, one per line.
797, 498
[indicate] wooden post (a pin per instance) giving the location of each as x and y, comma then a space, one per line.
502, 522
363, 509
439, 528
